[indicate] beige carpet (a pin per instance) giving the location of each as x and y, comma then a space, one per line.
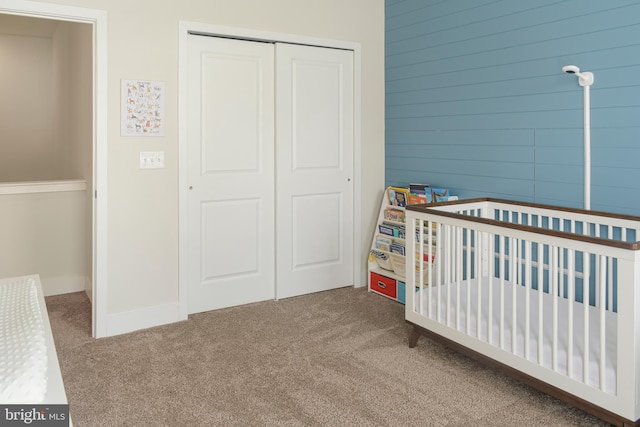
337, 358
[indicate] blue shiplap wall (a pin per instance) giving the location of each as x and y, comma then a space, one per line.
476, 100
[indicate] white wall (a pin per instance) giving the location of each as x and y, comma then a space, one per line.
143, 44
26, 109
44, 233
45, 100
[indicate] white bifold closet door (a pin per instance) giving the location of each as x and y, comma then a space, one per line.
269, 170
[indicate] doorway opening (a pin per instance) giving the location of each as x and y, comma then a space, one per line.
55, 147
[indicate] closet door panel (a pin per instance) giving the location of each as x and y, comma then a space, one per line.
325, 210
314, 157
316, 112
231, 103
230, 162
241, 228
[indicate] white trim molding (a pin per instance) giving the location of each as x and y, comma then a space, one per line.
143, 318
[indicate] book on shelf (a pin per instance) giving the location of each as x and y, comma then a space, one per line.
439, 194
394, 214
418, 193
393, 230
398, 196
397, 248
386, 230
383, 243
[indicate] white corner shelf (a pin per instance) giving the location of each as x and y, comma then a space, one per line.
28, 187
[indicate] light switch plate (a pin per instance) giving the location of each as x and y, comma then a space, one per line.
151, 159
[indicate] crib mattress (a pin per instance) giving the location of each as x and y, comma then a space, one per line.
465, 319
23, 350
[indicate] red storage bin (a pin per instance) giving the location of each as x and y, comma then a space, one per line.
384, 285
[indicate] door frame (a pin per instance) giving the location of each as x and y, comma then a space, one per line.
98, 20
185, 28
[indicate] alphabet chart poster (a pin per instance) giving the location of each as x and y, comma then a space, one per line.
142, 108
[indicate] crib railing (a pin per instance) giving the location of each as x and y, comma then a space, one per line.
551, 292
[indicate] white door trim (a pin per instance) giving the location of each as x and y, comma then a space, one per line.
98, 18
187, 27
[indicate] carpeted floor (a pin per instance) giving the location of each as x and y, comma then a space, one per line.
337, 358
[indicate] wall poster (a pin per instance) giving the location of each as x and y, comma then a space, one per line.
142, 108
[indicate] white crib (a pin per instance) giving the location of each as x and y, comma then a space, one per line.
506, 286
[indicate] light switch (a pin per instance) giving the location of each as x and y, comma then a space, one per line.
151, 159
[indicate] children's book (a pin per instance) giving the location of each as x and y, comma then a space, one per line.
392, 214
392, 229
418, 193
397, 248
398, 196
383, 243
440, 194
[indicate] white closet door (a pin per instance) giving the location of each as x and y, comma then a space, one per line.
230, 156
314, 174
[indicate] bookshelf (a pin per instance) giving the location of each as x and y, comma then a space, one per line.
386, 263
387, 259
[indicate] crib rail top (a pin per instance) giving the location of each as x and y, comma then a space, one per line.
455, 209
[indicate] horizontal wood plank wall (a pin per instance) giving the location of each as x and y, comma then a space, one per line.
476, 100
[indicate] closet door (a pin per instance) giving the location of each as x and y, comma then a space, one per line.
314, 173
230, 162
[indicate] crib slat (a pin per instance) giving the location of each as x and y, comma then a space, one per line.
430, 283
513, 264
609, 286
491, 241
603, 332
479, 284
459, 278
469, 254
519, 263
502, 276
597, 267
527, 305
571, 291
586, 298
540, 308
447, 272
554, 291
420, 242
438, 283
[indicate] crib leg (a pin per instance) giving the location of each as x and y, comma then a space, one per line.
413, 337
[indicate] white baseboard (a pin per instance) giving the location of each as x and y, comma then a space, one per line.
62, 285
88, 288
129, 321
